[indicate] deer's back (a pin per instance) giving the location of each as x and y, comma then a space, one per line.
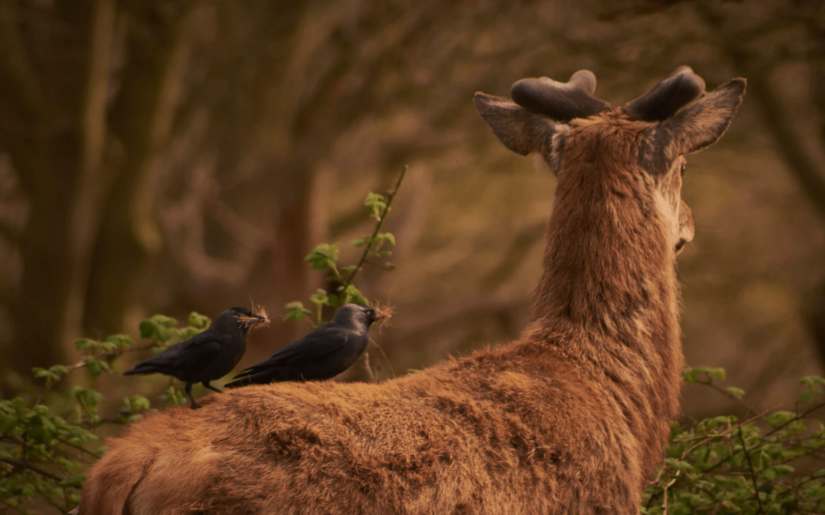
433, 442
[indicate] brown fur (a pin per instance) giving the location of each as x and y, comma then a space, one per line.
569, 418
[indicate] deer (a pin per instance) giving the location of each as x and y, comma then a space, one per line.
570, 418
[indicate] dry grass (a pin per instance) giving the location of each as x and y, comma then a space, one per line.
382, 313
254, 322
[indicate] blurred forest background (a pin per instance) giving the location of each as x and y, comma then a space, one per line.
178, 155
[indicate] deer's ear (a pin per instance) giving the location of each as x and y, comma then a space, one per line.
705, 120
519, 129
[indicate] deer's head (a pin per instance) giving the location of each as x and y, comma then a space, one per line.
582, 138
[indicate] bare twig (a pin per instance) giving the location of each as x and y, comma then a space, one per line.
752, 472
107, 354
719, 435
710, 384
365, 256
33, 468
796, 418
79, 448
801, 164
703, 441
367, 366
384, 356
664, 501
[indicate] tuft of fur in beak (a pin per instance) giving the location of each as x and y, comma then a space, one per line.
258, 319
382, 313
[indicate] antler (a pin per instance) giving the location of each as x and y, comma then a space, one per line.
668, 96
559, 100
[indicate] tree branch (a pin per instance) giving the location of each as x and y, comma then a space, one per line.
364, 256
752, 472
93, 113
801, 164
33, 468
21, 100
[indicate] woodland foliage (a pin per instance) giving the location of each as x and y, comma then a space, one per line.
766, 462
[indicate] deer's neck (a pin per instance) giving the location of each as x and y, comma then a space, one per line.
606, 262
608, 297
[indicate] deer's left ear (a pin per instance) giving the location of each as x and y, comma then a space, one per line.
520, 130
702, 122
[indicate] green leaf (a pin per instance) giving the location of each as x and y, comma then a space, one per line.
8, 423
198, 321
783, 470
678, 465
81, 434
323, 256
40, 372
320, 298
812, 380
353, 294
120, 340
296, 311
716, 372
376, 204
186, 333
84, 343
157, 327
146, 328
59, 369
735, 392
387, 236
137, 403
90, 398
97, 366
74, 481
780, 417
108, 346
40, 430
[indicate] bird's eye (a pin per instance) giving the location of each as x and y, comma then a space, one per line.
684, 165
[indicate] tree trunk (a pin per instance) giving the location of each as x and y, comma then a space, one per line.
142, 118
58, 156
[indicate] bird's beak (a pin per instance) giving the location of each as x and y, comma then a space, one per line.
258, 319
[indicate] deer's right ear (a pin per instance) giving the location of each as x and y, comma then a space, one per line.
706, 119
520, 130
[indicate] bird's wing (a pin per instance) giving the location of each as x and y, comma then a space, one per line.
192, 354
201, 350
313, 347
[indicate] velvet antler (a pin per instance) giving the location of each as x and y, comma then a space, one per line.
559, 100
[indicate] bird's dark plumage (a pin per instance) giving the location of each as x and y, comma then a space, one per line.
208, 356
323, 353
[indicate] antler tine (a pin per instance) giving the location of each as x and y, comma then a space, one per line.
668, 96
559, 100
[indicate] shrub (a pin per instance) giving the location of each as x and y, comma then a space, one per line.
47, 438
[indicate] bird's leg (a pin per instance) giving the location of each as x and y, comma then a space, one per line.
207, 385
188, 391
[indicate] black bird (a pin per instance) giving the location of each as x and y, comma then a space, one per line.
324, 352
208, 356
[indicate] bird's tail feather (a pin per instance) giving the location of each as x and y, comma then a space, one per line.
239, 380
141, 368
251, 376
